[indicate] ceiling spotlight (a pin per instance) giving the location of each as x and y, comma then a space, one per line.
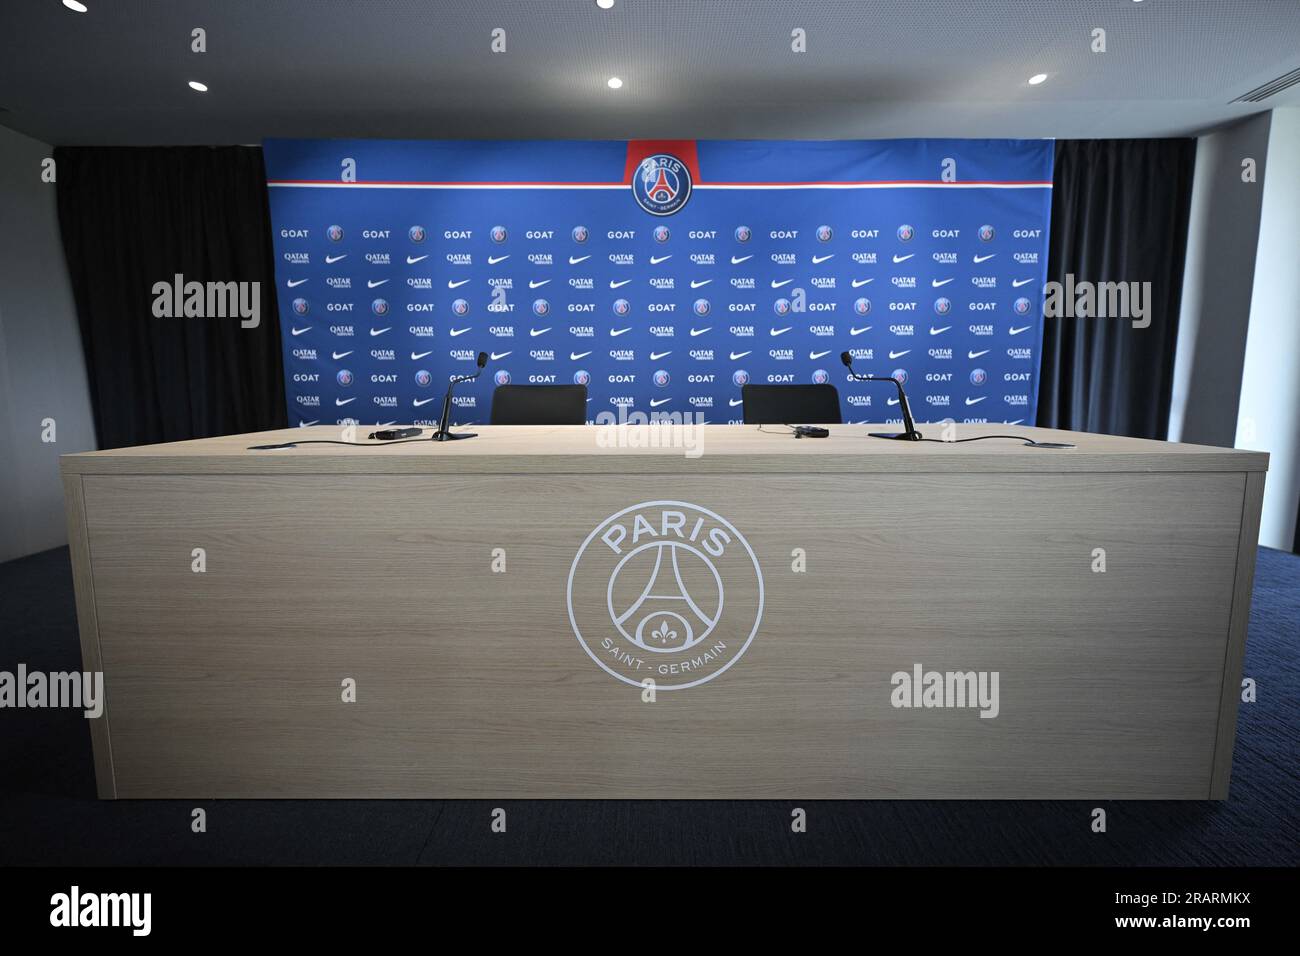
75, 6
198, 87
614, 83
1037, 78
605, 4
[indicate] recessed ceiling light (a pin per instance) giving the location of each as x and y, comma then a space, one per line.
1037, 78
614, 83
605, 4
199, 87
75, 6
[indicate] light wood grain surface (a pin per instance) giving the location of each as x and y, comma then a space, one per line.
724, 449
473, 684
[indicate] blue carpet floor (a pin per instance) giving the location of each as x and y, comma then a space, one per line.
49, 814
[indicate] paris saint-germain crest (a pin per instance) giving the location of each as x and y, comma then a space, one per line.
661, 184
665, 591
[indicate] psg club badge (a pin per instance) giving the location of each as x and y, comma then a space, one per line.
666, 591
661, 184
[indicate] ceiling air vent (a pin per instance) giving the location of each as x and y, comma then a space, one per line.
1271, 88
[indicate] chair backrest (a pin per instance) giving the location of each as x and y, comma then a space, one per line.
791, 404
539, 405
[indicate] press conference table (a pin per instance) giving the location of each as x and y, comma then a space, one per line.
585, 612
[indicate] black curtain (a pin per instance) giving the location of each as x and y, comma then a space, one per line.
1119, 214
131, 218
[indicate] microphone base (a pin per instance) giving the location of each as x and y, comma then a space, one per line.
452, 436
899, 436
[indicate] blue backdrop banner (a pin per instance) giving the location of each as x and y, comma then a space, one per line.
662, 274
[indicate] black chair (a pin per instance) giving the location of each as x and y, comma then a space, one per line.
791, 404
539, 405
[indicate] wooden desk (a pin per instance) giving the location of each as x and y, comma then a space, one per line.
383, 566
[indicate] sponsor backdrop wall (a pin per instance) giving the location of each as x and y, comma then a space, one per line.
661, 274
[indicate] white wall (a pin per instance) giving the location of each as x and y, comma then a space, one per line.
1269, 415
42, 372
1218, 277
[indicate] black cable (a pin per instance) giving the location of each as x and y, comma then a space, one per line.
328, 441
955, 441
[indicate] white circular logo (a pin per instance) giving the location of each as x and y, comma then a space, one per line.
665, 590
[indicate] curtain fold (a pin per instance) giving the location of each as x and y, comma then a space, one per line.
133, 217
1119, 214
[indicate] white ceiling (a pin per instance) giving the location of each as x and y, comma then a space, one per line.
692, 68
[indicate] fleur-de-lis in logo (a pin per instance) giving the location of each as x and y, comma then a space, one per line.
662, 634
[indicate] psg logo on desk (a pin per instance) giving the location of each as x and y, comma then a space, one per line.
665, 591
661, 184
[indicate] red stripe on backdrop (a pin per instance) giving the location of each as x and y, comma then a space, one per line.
684, 149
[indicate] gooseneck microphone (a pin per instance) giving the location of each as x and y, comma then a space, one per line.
910, 433
442, 434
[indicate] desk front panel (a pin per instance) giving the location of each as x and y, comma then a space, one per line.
456, 606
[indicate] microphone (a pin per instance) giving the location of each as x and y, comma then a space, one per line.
910, 433
442, 434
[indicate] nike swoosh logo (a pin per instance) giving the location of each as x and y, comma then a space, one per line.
739, 355
297, 331
574, 260
456, 332
733, 402
655, 260
574, 356
814, 356
698, 283
423, 401
656, 402
1023, 328
892, 401
776, 332
934, 331
456, 283
616, 332
777, 285
498, 356
493, 260
983, 258
412, 260
341, 355
737, 260
695, 331
374, 332
416, 356
294, 283
859, 283
343, 401
616, 285
374, 283
865, 328
818, 260
904, 258
894, 355
536, 332
315, 421
976, 401
975, 355
1017, 283
537, 283
935, 283
656, 356
330, 260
